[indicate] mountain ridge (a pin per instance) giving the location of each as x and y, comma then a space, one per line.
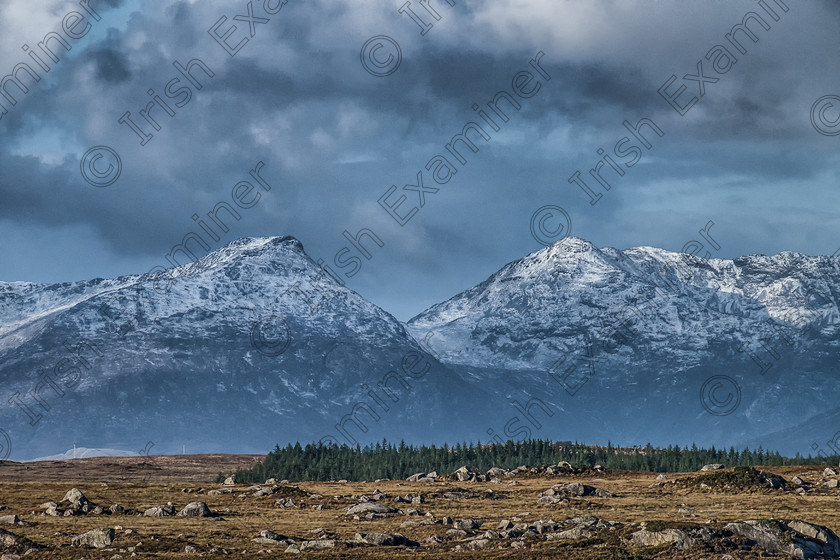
257, 334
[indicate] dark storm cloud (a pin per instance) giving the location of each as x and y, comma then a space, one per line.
334, 138
111, 65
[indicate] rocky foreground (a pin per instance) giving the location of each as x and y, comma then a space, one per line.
553, 512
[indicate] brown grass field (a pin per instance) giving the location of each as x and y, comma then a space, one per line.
138, 483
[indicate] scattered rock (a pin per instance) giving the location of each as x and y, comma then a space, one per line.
164, 511
384, 539
658, 538
317, 545
796, 538
196, 509
97, 538
76, 498
369, 507
468, 524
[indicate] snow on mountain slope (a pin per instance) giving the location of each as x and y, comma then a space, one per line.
556, 299
251, 345
255, 345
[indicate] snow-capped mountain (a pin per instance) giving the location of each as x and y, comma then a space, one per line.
554, 300
252, 345
255, 345
653, 333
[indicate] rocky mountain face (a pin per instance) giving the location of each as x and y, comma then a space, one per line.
250, 346
647, 345
255, 345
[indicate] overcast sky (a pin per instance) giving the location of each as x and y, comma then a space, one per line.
334, 138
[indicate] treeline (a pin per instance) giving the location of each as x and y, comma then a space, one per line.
389, 461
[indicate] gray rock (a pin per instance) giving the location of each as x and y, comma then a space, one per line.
384, 539
190, 549
713, 467
478, 544
829, 472
546, 526
796, 538
75, 497
97, 538
468, 524
416, 477
266, 491
369, 507
196, 509
658, 538
456, 533
8, 539
230, 481
320, 544
9, 520
163, 511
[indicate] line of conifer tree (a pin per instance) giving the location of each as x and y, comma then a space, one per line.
389, 461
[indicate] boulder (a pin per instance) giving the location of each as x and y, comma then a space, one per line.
163, 511
384, 539
796, 538
712, 467
415, 477
230, 481
369, 507
456, 533
9, 520
658, 538
270, 537
317, 545
546, 526
829, 472
75, 497
196, 509
468, 524
97, 538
